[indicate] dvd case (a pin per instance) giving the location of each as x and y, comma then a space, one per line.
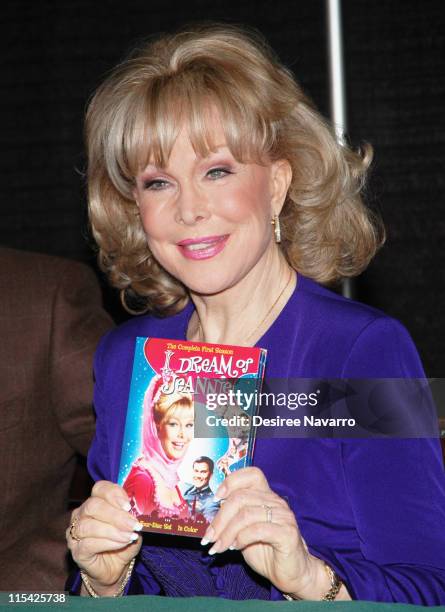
180, 389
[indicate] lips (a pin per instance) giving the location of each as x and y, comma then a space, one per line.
203, 248
178, 445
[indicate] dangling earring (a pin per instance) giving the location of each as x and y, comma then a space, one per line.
276, 228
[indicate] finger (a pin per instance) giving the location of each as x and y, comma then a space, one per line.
86, 550
237, 501
250, 516
92, 528
284, 538
74, 513
112, 493
100, 509
246, 478
289, 557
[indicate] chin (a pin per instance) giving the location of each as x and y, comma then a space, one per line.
174, 454
208, 285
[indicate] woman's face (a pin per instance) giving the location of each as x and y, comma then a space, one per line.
176, 432
208, 220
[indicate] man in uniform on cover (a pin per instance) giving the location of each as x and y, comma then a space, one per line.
200, 496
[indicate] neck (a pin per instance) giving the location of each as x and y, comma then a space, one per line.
241, 314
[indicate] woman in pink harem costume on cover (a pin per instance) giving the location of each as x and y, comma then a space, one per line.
152, 483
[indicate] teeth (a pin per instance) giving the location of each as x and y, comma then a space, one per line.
199, 246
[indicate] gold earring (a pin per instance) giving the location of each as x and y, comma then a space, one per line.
276, 228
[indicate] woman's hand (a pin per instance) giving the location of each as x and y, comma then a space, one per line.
103, 539
259, 523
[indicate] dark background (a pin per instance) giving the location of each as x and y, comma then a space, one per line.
54, 54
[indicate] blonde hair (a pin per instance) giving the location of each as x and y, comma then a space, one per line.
169, 403
136, 114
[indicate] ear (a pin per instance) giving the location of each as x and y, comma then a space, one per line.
281, 177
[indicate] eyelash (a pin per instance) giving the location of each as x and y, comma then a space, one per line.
175, 424
150, 184
226, 171
160, 184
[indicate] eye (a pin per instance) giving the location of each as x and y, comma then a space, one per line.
155, 184
216, 173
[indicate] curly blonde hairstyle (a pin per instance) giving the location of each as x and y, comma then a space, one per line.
168, 404
136, 115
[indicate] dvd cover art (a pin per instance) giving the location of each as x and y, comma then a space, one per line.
169, 474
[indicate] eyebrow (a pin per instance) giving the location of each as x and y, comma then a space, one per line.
215, 151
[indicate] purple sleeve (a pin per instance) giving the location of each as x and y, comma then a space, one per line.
396, 488
99, 466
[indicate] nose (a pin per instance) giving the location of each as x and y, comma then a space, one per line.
192, 205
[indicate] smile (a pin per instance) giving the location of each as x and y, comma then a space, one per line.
203, 248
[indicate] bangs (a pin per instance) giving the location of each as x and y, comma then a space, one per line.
154, 116
198, 79
179, 406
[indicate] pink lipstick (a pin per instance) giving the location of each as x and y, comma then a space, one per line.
203, 248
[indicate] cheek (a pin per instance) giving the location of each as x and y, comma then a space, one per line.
154, 221
164, 435
243, 207
248, 203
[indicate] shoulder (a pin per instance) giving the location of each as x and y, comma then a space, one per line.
140, 486
25, 273
139, 475
328, 307
42, 286
367, 342
186, 488
39, 267
117, 346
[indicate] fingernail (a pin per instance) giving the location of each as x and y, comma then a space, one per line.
204, 542
131, 524
134, 537
232, 547
126, 536
125, 505
214, 549
138, 527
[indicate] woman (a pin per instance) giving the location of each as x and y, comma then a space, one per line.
219, 197
152, 483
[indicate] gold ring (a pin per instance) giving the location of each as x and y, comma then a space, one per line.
72, 528
268, 510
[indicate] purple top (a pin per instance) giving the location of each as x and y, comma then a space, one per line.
373, 509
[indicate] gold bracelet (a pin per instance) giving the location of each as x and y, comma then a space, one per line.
336, 585
126, 578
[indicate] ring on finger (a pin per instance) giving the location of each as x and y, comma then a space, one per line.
72, 530
268, 510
